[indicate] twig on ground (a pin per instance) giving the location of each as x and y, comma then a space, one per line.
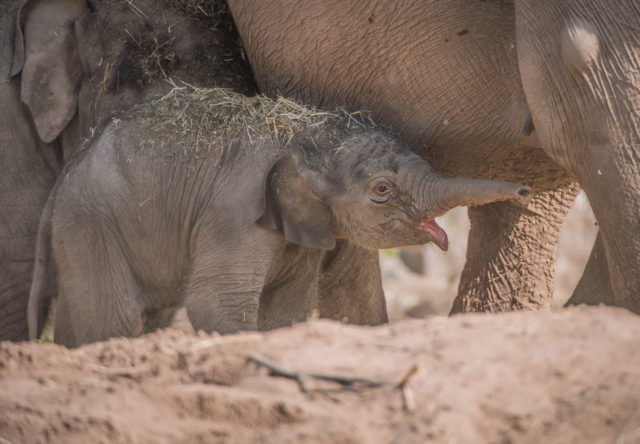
347, 383
277, 370
119, 371
408, 401
208, 343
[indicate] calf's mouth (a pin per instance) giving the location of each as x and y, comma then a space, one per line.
437, 234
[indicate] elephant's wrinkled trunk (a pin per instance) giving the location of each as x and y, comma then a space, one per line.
455, 192
436, 195
439, 194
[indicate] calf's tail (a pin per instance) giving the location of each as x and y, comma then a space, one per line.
39, 298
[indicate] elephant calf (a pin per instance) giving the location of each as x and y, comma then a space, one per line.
227, 205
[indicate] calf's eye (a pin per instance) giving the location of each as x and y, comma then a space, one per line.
382, 189
380, 192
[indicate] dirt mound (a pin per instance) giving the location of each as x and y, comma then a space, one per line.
571, 376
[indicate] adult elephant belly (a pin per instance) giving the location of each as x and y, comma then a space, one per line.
444, 75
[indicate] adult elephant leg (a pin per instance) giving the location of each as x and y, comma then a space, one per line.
595, 286
27, 172
580, 67
62, 326
350, 287
511, 254
612, 275
22, 197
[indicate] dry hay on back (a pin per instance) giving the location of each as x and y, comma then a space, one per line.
197, 120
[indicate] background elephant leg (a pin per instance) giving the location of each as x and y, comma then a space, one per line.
290, 300
19, 217
616, 257
512, 253
414, 258
350, 287
62, 324
595, 286
28, 169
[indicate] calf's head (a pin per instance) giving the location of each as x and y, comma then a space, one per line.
372, 190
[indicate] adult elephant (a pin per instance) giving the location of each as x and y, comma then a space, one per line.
445, 75
65, 66
580, 67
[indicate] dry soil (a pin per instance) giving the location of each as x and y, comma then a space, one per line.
561, 377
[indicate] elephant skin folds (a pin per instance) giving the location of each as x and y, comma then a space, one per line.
571, 376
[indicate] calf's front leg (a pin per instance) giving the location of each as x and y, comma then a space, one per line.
224, 286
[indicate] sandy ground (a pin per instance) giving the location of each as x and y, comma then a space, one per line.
557, 377
570, 376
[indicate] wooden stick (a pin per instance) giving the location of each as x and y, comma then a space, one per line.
415, 368
347, 383
120, 371
408, 401
277, 370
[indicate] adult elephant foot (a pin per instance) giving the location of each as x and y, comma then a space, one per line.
594, 287
512, 254
350, 287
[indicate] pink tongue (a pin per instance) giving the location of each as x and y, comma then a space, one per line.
437, 234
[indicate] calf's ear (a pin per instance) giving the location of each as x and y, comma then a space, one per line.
293, 209
46, 54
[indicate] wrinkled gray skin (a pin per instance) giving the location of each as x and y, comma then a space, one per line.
446, 76
580, 66
65, 66
146, 219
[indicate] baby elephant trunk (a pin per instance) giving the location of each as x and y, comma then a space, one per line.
454, 192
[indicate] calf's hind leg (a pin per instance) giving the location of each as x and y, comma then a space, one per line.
98, 294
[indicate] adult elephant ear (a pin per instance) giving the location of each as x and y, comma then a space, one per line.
46, 54
292, 207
